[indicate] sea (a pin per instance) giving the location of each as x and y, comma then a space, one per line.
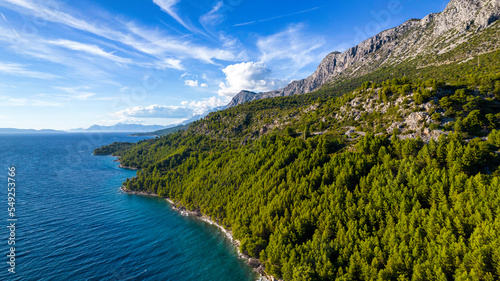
71, 221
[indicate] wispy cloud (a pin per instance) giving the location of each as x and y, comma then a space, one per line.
214, 16
291, 49
53, 52
160, 44
22, 71
90, 49
148, 41
169, 63
78, 93
278, 17
168, 7
3, 16
9, 101
54, 15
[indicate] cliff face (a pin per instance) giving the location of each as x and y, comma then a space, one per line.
433, 35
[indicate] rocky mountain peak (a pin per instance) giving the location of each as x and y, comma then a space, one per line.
242, 97
462, 14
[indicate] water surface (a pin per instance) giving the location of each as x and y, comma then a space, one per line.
75, 224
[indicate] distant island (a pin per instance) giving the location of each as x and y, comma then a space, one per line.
121, 127
28, 131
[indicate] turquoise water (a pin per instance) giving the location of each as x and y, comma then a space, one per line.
74, 223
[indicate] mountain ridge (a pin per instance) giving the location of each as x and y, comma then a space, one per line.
29, 131
435, 34
122, 127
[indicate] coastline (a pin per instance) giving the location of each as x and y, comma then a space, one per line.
124, 190
257, 266
128, 168
120, 165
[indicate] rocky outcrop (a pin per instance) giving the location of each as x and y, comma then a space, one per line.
435, 34
242, 97
461, 15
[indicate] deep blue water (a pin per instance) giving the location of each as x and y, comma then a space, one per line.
75, 224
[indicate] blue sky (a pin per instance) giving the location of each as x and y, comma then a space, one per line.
69, 64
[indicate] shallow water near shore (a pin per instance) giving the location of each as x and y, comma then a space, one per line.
74, 223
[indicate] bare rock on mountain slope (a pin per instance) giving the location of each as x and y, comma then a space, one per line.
461, 21
242, 97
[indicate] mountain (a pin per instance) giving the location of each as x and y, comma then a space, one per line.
437, 38
28, 131
181, 126
390, 169
121, 127
163, 132
244, 96
347, 187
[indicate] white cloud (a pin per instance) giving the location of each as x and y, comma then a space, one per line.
291, 50
155, 111
200, 107
20, 70
251, 76
186, 110
191, 83
204, 85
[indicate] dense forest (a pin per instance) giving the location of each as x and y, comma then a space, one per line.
416, 201
109, 149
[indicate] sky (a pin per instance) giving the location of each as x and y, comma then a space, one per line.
71, 64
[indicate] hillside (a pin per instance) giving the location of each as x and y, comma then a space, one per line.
163, 132
120, 127
462, 31
393, 174
307, 194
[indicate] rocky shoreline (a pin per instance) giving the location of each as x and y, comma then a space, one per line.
127, 167
121, 166
124, 189
257, 266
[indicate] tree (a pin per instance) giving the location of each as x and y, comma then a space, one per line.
458, 125
473, 122
306, 131
496, 91
290, 132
